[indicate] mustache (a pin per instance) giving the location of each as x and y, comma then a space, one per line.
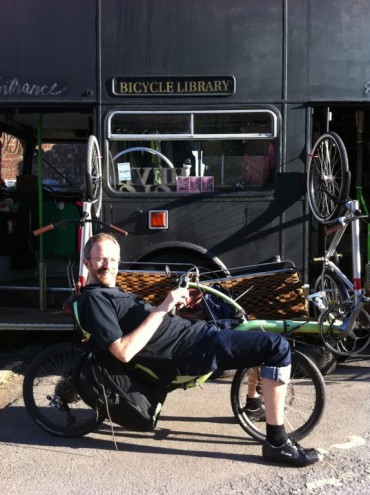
102, 270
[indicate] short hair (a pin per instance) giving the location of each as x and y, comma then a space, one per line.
102, 236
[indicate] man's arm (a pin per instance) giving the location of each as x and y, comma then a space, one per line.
126, 347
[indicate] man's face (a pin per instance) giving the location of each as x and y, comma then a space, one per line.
103, 263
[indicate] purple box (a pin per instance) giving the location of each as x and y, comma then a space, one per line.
182, 184
207, 184
195, 184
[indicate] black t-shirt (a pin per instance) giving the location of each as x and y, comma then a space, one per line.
108, 313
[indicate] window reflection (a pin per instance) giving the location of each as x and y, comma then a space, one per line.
225, 151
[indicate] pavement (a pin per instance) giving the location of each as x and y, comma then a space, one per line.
197, 439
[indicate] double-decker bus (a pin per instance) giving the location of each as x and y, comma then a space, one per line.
205, 113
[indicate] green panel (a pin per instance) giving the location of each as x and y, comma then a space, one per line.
61, 241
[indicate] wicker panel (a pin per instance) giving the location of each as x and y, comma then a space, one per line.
270, 296
152, 286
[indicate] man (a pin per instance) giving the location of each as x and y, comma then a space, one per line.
127, 326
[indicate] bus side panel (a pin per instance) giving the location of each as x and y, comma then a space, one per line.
51, 56
52, 47
208, 37
248, 233
328, 56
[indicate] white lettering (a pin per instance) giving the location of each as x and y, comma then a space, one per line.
169, 176
14, 86
11, 144
367, 88
143, 175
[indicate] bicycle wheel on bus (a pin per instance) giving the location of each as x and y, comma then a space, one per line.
328, 177
93, 177
336, 338
49, 395
304, 405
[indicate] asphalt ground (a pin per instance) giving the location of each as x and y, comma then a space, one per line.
197, 448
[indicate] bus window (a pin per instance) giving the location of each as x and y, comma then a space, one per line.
63, 166
191, 151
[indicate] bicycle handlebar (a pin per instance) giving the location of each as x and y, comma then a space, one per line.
334, 228
181, 281
117, 229
342, 222
190, 280
44, 229
47, 228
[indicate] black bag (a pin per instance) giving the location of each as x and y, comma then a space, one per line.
216, 308
118, 390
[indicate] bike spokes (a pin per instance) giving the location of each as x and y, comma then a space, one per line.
339, 337
328, 177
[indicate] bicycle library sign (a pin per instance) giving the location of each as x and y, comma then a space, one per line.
174, 86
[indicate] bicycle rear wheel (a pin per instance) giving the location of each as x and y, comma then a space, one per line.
340, 342
304, 405
50, 397
93, 177
328, 177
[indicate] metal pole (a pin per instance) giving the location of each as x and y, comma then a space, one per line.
42, 268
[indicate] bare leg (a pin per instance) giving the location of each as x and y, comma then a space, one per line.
253, 379
274, 393
278, 446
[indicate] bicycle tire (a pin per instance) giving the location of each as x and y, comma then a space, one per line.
325, 360
328, 177
49, 395
93, 177
335, 290
339, 342
304, 404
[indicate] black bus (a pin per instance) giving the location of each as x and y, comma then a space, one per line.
205, 112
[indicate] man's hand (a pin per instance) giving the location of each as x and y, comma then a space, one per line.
176, 298
195, 297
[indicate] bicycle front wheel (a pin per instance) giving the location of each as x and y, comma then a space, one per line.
338, 340
304, 405
93, 177
328, 177
49, 395
335, 290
